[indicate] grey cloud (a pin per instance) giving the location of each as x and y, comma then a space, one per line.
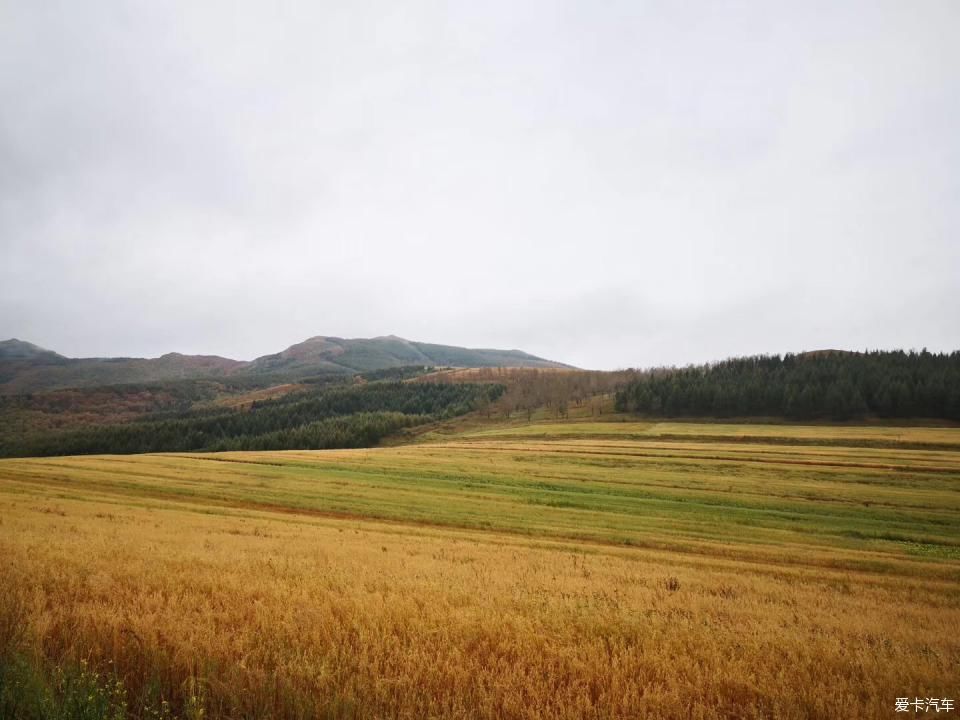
613, 185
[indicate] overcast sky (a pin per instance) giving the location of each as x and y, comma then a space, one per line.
607, 184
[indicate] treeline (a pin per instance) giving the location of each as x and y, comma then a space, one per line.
344, 431
340, 416
177, 394
825, 385
555, 390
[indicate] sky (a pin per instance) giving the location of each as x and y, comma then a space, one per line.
616, 184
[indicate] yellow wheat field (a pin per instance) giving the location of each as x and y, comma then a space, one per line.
260, 611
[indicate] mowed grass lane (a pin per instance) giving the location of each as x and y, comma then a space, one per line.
618, 425
867, 507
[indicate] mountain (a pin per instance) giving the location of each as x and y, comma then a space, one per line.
14, 350
363, 354
52, 371
25, 367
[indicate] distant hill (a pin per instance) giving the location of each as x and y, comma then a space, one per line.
25, 367
14, 350
362, 355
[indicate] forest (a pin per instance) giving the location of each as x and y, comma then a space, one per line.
828, 385
339, 416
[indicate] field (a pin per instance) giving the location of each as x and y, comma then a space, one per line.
573, 569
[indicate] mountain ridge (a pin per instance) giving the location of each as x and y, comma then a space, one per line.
26, 367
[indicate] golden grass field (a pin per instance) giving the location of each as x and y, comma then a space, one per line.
540, 570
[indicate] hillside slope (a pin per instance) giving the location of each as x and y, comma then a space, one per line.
25, 367
363, 354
